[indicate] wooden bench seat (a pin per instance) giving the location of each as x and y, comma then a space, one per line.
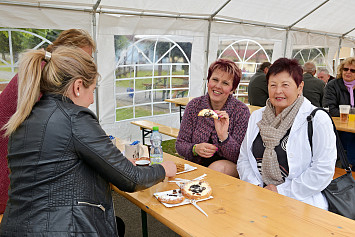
147, 127
339, 172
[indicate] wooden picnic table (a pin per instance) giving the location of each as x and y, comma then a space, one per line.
238, 208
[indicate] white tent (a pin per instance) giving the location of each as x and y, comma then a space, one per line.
285, 24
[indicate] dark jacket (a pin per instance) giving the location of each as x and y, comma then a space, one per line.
336, 94
257, 89
61, 163
313, 89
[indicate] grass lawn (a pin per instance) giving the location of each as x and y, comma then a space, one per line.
140, 82
127, 113
169, 147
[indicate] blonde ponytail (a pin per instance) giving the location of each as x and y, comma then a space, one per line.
29, 77
67, 64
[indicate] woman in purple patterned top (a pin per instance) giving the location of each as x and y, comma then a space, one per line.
215, 143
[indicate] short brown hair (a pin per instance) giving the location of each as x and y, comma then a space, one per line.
291, 66
73, 37
227, 66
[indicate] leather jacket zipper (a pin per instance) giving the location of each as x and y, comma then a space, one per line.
93, 205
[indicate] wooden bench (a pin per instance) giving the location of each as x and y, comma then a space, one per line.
147, 127
339, 172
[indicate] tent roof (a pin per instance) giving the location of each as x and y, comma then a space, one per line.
331, 17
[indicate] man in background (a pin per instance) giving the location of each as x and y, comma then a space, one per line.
257, 89
313, 88
324, 75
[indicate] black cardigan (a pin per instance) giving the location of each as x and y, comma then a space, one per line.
336, 94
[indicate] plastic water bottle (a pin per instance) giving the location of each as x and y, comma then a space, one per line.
156, 152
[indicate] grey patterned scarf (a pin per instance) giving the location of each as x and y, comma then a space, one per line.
272, 129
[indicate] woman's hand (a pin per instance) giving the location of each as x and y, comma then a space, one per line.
222, 125
170, 168
132, 161
271, 187
205, 150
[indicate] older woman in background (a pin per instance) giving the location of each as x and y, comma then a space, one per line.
276, 153
215, 143
341, 92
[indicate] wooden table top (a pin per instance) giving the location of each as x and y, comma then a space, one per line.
180, 101
173, 132
239, 209
252, 108
346, 127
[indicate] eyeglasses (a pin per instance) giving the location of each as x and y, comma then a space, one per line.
345, 69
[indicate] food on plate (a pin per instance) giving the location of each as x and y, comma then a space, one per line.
208, 113
142, 158
196, 189
180, 167
172, 197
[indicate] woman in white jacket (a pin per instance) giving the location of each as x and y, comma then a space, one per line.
276, 152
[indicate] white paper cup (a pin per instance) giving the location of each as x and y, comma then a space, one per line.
344, 113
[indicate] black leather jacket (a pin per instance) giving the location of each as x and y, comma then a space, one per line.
61, 163
336, 94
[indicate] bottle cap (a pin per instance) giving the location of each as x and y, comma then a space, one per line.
155, 128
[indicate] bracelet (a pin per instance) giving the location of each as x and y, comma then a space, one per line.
194, 150
220, 141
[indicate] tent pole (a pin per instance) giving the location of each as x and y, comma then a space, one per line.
336, 64
94, 28
286, 40
309, 13
207, 53
208, 42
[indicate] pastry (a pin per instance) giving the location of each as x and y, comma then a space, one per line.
208, 113
180, 167
172, 197
196, 189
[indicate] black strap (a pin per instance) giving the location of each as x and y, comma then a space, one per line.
340, 148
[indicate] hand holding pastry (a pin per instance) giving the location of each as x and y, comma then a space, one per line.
222, 125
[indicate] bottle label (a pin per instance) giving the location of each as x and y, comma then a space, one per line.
156, 159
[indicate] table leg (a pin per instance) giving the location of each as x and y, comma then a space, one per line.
144, 223
180, 113
181, 109
145, 134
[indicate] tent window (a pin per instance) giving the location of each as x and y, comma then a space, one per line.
248, 55
315, 55
15, 41
149, 70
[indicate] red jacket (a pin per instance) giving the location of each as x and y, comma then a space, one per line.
8, 104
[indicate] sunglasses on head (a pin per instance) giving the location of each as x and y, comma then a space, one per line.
347, 69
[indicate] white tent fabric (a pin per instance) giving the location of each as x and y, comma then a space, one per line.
287, 24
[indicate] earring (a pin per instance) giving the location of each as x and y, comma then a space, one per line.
77, 94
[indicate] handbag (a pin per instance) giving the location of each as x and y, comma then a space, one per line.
340, 193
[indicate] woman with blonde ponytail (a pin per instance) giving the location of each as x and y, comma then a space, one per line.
8, 101
61, 160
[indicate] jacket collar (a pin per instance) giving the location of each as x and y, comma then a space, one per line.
305, 110
59, 97
307, 76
